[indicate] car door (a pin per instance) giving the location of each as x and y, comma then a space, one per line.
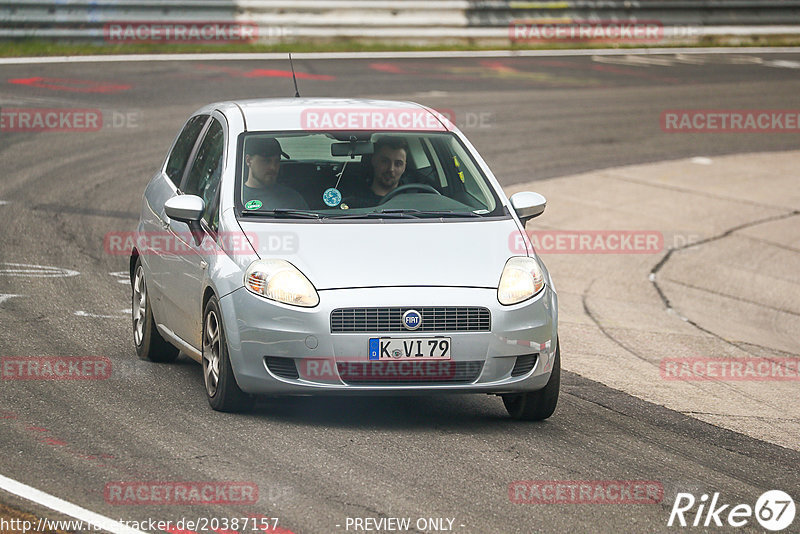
189, 259
154, 228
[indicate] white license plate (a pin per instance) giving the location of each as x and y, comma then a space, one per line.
416, 348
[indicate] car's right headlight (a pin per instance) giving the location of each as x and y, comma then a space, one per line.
522, 278
281, 281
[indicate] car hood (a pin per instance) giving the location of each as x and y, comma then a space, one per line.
390, 253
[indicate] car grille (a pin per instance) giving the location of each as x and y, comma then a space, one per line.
434, 319
282, 367
524, 364
410, 373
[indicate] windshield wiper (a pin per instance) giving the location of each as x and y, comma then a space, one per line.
447, 214
285, 213
407, 214
383, 214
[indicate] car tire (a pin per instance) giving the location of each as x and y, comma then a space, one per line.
222, 391
537, 405
146, 338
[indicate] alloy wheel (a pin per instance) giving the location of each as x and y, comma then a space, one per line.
211, 349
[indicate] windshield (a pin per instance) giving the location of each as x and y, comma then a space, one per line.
360, 175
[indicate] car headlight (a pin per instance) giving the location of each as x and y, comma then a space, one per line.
522, 278
280, 280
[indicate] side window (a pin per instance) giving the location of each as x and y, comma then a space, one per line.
204, 176
183, 148
463, 176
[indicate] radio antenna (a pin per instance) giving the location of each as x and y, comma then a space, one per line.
296, 91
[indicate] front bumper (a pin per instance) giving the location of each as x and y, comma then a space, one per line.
257, 329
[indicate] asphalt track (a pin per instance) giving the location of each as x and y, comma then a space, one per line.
317, 462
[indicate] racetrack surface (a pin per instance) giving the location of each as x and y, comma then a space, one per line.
317, 462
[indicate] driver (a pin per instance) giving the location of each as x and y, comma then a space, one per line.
387, 165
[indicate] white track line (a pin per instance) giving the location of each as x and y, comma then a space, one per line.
81, 313
5, 296
64, 507
394, 55
36, 271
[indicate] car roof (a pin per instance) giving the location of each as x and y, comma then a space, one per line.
331, 114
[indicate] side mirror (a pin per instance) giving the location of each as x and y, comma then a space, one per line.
185, 208
528, 205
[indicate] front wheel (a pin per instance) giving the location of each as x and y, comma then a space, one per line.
222, 390
537, 405
149, 343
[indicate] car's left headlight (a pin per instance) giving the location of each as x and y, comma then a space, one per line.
280, 280
522, 278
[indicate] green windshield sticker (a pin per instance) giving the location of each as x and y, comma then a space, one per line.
253, 205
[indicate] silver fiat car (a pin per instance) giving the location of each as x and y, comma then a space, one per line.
331, 246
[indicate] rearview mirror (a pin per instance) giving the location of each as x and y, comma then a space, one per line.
528, 205
185, 208
352, 149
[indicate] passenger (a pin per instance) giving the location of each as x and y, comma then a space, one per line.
263, 160
385, 168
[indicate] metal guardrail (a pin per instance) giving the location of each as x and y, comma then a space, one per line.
667, 12
407, 20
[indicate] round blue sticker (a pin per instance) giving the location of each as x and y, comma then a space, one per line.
332, 197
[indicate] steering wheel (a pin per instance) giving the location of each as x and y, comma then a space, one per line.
403, 189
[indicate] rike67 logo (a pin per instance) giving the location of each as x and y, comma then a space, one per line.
774, 510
